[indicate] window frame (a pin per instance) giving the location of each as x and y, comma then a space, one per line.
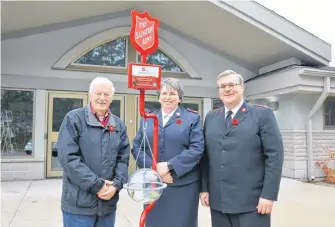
26, 157
102, 68
329, 127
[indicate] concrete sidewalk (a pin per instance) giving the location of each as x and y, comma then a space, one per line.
37, 204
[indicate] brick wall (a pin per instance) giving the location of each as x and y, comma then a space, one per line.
321, 141
295, 151
22, 170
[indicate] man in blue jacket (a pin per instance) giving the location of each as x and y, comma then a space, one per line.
93, 149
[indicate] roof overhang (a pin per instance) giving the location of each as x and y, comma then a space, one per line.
302, 80
280, 28
241, 31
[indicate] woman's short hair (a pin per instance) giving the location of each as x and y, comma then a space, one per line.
175, 84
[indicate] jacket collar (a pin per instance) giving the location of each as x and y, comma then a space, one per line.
176, 114
92, 120
108, 112
235, 109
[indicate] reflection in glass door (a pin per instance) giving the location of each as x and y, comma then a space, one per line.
58, 106
216, 103
117, 106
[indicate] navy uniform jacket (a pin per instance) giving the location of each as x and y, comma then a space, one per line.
181, 144
243, 163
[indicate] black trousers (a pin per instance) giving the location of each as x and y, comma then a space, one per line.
249, 219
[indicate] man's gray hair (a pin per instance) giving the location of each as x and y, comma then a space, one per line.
231, 72
175, 84
101, 80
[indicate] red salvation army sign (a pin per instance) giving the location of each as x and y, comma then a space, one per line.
144, 32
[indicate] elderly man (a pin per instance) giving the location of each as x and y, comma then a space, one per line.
93, 149
242, 164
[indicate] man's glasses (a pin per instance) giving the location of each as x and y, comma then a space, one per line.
229, 86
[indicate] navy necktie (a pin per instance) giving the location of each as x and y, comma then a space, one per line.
229, 119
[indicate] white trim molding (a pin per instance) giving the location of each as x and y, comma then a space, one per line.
281, 91
114, 33
316, 72
302, 89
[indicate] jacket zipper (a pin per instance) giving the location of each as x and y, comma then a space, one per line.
101, 161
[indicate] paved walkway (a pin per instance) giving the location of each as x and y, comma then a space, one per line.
37, 204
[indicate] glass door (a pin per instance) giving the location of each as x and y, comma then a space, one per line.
60, 103
58, 106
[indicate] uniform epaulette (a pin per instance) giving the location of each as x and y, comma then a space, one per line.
260, 106
193, 111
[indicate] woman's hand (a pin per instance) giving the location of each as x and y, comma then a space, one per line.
162, 168
164, 172
167, 178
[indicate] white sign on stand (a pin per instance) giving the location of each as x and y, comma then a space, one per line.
152, 71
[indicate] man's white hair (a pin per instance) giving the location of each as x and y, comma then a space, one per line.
101, 80
231, 72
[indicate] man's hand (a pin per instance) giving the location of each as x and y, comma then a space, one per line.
264, 206
103, 189
204, 198
167, 178
162, 168
109, 192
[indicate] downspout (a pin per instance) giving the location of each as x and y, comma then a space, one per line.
316, 107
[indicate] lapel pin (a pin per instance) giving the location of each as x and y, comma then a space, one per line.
243, 109
178, 114
111, 129
235, 122
178, 122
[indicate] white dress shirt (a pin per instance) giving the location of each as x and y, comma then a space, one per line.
166, 117
234, 110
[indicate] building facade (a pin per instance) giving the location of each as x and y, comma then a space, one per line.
47, 63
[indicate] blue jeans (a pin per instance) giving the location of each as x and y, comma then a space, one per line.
75, 220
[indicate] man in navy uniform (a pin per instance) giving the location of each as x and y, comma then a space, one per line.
243, 159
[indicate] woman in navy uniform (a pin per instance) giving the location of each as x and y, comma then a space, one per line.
180, 148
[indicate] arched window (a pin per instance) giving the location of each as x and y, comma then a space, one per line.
114, 55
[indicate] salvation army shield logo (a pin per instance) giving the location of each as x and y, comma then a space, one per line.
144, 32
